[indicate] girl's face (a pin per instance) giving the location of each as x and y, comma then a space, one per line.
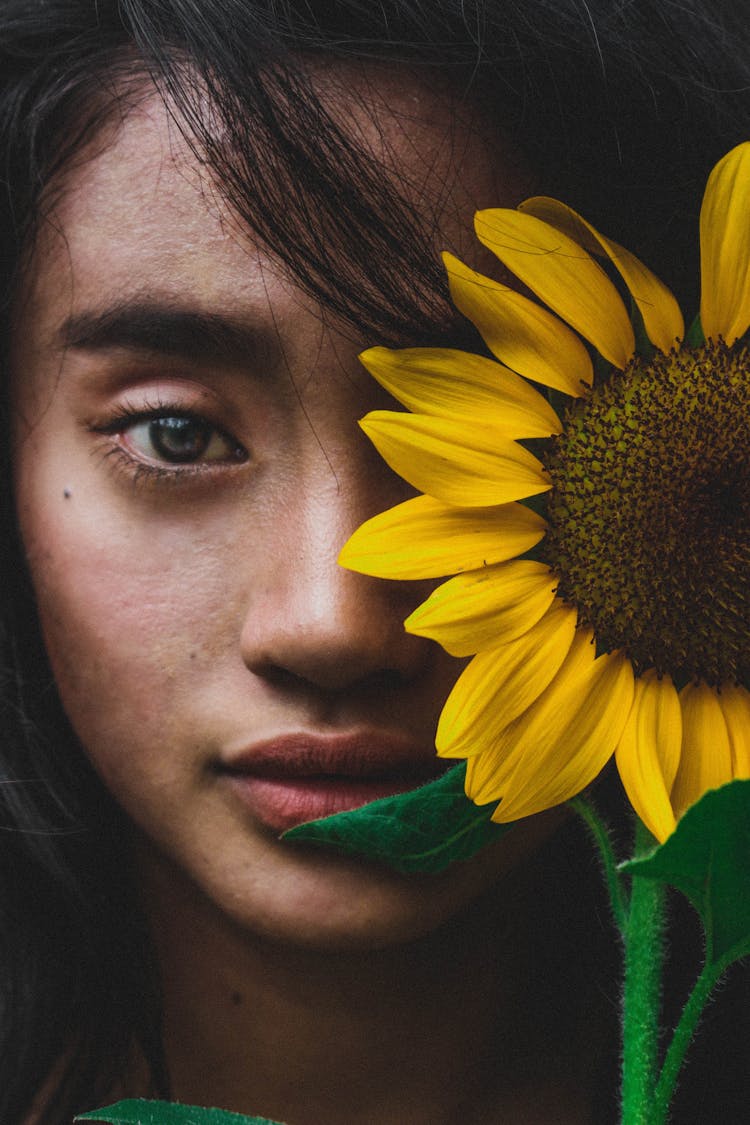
188, 465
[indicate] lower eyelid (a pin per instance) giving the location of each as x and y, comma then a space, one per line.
141, 472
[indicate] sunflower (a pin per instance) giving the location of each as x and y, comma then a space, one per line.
589, 491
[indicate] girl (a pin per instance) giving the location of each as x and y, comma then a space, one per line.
210, 209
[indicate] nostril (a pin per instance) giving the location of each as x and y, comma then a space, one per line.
281, 678
376, 684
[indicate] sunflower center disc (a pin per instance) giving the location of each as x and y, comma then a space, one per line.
650, 513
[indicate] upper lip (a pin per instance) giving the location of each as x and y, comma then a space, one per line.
362, 754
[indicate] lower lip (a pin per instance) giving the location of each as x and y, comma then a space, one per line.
283, 803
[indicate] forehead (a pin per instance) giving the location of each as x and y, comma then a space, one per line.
140, 215
135, 206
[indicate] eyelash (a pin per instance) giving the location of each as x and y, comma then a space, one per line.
145, 472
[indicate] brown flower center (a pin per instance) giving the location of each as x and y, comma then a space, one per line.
650, 513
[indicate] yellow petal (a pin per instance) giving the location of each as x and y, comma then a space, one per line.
454, 384
563, 275
487, 774
550, 771
706, 758
519, 332
499, 685
648, 753
735, 705
485, 608
560, 744
424, 538
725, 247
661, 314
460, 463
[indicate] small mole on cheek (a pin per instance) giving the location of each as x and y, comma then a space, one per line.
236, 999
67, 493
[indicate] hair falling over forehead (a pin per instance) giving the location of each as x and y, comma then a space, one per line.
594, 99
619, 108
278, 142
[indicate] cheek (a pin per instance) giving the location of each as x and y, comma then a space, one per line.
134, 621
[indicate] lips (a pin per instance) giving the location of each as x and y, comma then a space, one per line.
298, 777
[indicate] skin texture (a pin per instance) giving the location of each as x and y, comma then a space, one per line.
192, 611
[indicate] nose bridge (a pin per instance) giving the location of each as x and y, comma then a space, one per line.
325, 516
313, 617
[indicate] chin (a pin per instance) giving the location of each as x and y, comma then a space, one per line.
313, 899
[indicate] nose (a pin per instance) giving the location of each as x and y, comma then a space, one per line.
311, 620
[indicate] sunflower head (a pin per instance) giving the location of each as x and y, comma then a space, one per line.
612, 615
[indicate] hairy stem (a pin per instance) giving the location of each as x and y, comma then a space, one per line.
644, 956
683, 1036
600, 833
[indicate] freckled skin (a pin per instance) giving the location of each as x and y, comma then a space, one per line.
184, 620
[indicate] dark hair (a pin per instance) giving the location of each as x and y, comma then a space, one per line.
621, 107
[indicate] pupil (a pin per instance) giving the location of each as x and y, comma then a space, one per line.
179, 439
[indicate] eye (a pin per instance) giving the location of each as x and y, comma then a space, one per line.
180, 439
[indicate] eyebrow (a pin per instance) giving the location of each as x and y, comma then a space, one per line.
166, 329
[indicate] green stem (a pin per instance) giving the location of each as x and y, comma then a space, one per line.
644, 955
600, 832
683, 1035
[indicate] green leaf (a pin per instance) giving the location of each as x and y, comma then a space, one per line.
135, 1111
707, 857
423, 830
